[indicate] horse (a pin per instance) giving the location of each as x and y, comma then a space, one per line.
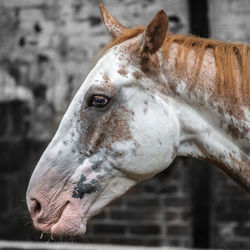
151, 96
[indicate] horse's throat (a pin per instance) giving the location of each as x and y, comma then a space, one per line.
203, 137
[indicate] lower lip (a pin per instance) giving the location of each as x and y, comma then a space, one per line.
42, 227
69, 223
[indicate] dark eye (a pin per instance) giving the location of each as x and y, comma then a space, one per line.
98, 101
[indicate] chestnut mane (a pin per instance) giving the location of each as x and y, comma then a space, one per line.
232, 61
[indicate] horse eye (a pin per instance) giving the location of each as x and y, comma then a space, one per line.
98, 101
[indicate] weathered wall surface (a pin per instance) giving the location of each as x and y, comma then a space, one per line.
229, 20
230, 206
46, 49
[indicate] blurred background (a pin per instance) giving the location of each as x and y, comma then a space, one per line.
46, 48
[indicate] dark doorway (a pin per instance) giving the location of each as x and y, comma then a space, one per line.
200, 177
198, 13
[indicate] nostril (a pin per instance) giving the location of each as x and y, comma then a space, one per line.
35, 209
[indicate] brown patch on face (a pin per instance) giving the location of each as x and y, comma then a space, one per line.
112, 126
145, 110
119, 127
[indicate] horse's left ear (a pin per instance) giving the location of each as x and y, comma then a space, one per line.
154, 34
114, 27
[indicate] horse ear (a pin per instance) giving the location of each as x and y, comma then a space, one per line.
114, 27
154, 34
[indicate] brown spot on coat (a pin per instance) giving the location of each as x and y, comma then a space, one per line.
106, 78
113, 126
137, 75
237, 131
118, 155
122, 72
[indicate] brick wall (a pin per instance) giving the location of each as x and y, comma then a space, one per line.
45, 53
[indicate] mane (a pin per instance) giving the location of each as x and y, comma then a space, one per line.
232, 61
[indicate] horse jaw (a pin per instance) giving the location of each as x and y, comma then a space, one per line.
83, 204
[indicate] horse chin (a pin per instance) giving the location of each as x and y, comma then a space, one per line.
71, 223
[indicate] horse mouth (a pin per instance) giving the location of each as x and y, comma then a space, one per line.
60, 212
69, 222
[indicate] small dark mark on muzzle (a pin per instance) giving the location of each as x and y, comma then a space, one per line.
83, 188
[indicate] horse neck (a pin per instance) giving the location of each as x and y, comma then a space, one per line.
208, 130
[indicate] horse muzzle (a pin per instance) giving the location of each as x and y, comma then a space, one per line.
58, 217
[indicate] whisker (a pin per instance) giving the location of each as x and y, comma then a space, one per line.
27, 223
41, 236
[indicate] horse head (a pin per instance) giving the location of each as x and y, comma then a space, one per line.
119, 129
